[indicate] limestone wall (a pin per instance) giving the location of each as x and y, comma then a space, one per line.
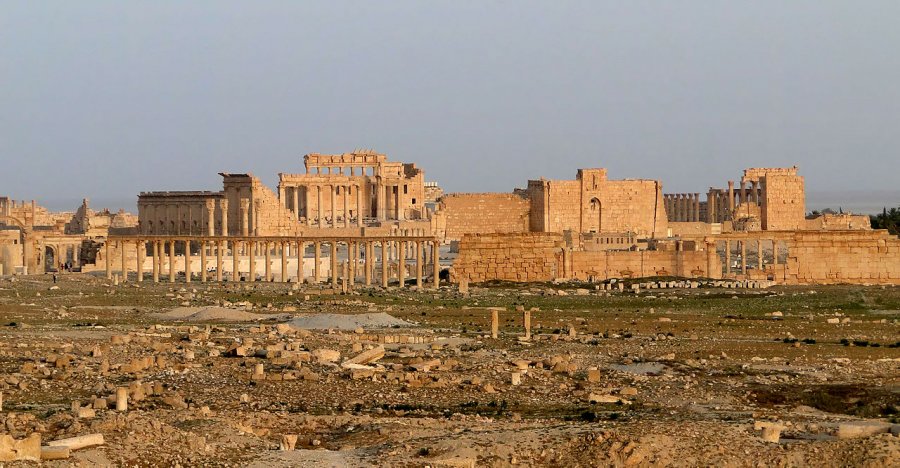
636, 264
838, 222
783, 206
591, 203
844, 257
543, 257
521, 257
482, 213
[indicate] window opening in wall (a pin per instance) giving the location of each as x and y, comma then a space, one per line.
413, 201
405, 189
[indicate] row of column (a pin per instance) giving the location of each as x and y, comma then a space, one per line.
683, 207
716, 206
750, 193
342, 199
760, 254
360, 259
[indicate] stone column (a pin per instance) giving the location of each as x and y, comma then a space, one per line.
730, 200
754, 195
495, 323
301, 252
401, 264
319, 205
760, 260
124, 252
172, 261
353, 259
346, 196
334, 265
252, 252
711, 257
368, 264
202, 261
245, 217
155, 265
210, 217
744, 257
108, 260
711, 207
359, 205
333, 193
255, 220
697, 207
141, 249
380, 200
268, 268
223, 207
419, 265
219, 246
282, 199
385, 264
187, 261
526, 322
728, 257
296, 191
235, 261
436, 262
284, 272
306, 203
317, 257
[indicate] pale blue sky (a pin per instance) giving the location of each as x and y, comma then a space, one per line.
105, 99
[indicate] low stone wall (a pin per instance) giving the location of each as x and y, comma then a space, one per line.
638, 264
543, 257
814, 257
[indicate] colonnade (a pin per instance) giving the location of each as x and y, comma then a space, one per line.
354, 259
682, 207
717, 206
746, 193
333, 204
720, 203
759, 246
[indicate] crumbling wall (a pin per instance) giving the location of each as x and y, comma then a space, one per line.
482, 213
638, 263
838, 222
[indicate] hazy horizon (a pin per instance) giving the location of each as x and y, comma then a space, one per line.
103, 100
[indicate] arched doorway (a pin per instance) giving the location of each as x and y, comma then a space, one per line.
596, 215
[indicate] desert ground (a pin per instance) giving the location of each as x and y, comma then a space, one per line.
240, 374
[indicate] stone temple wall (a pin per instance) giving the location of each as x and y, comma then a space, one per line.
844, 257
481, 213
591, 203
783, 206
